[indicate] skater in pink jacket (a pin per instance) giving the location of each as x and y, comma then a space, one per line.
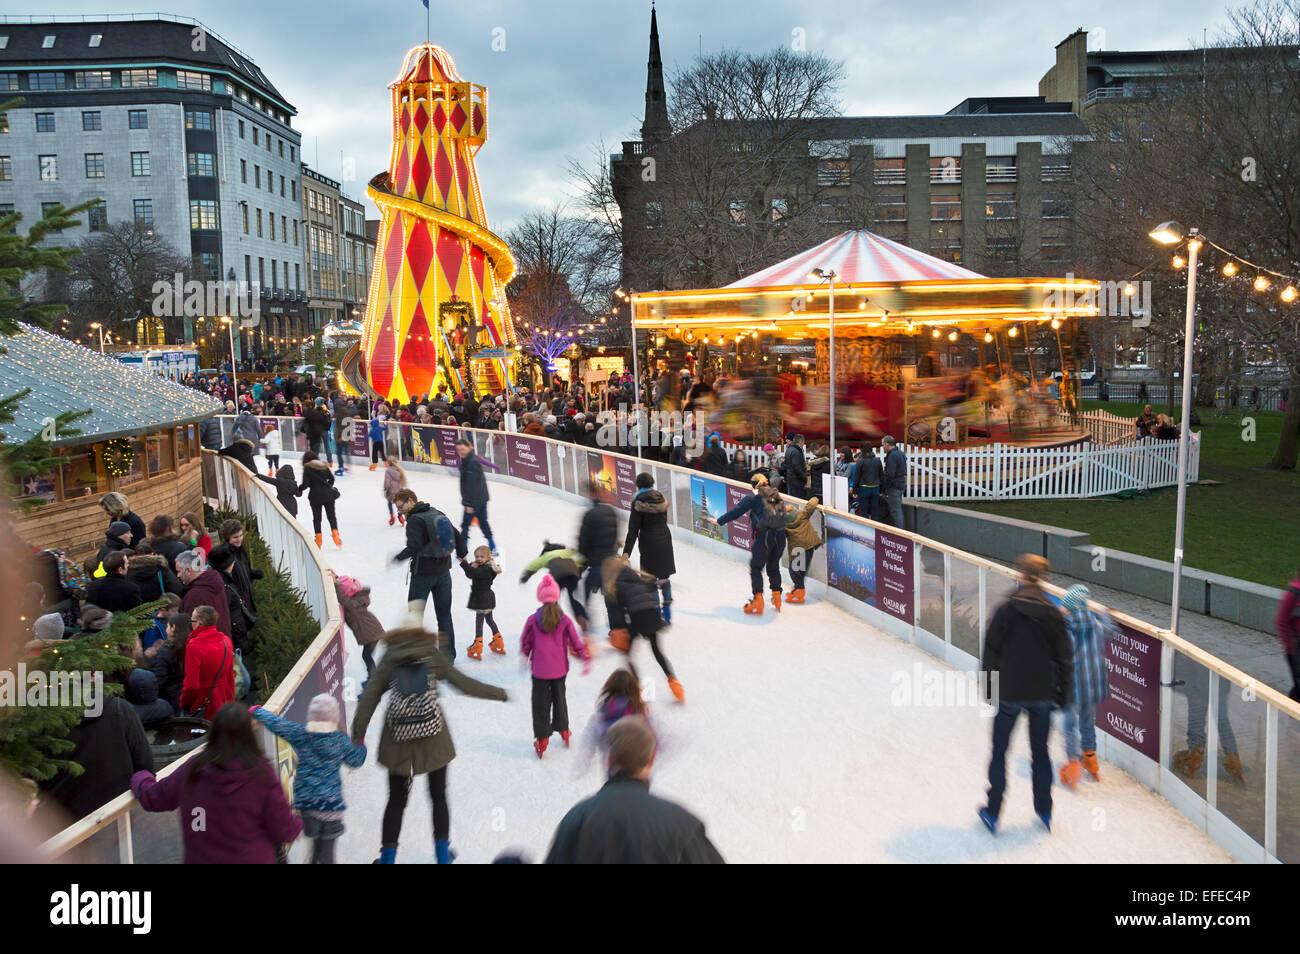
547, 638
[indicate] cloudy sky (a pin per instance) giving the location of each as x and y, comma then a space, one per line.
572, 72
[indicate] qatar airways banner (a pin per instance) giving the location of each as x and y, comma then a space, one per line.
526, 459
874, 566
894, 587
739, 532
1131, 713
615, 477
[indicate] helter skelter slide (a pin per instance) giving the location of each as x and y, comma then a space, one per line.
436, 311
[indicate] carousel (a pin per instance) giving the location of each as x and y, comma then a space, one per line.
917, 346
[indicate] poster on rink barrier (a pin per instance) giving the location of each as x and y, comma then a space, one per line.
708, 502
447, 437
424, 445
851, 558
739, 532
325, 676
615, 477
1131, 712
894, 576
526, 459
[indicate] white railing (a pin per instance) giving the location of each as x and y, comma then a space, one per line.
228, 485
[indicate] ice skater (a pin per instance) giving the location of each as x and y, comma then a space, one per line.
767, 520
394, 480
633, 600
482, 572
546, 636
648, 523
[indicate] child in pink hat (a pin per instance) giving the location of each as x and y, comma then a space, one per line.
546, 638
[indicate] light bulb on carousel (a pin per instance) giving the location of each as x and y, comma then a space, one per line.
1012, 331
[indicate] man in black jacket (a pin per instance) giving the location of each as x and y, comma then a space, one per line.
795, 467
1029, 665
111, 746
232, 534
430, 541
473, 492
895, 484
114, 592
597, 538
623, 823
865, 479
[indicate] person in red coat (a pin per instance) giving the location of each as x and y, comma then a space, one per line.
209, 666
1287, 622
203, 587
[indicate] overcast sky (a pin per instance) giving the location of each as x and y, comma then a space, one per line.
573, 71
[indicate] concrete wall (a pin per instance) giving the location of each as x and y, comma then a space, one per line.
1072, 553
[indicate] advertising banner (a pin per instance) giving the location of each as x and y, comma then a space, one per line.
526, 459
447, 437
739, 532
615, 476
708, 500
360, 438
1132, 712
851, 558
424, 445
326, 676
894, 586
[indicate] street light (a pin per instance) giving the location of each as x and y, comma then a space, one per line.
1169, 233
234, 374
829, 275
100, 328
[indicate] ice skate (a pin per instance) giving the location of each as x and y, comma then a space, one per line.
1188, 762
318, 541
676, 687
1232, 765
755, 606
497, 645
1090, 765
475, 650
337, 542
374, 465
1070, 773
620, 639
565, 736
990, 820
401, 520
776, 600
539, 746
391, 520
796, 596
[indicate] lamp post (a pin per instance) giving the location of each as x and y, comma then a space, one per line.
636, 365
829, 275
1170, 233
100, 328
234, 374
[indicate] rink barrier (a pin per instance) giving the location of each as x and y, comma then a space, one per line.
1178, 690
228, 485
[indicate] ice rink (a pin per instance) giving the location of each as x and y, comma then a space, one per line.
790, 746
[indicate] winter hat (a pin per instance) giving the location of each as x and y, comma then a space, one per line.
323, 708
768, 448
1075, 598
49, 626
320, 402
349, 586
118, 527
95, 618
548, 591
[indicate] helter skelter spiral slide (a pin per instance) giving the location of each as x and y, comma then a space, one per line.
436, 311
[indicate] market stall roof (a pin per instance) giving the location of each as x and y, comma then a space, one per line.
123, 400
881, 288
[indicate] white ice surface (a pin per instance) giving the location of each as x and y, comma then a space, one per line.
788, 746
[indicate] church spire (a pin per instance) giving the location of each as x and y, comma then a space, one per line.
656, 127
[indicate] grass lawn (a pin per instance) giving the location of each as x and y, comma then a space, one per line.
1249, 527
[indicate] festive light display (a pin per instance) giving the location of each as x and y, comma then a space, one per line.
430, 313
119, 457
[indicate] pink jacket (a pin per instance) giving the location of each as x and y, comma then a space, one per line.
1285, 623
548, 651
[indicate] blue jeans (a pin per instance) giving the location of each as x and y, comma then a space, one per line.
869, 503
894, 499
436, 587
1080, 727
323, 445
1040, 721
481, 513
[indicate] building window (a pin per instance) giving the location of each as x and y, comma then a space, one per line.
92, 121
142, 209
293, 189
891, 205
187, 79
1055, 205
833, 172
49, 168
241, 129
94, 165
97, 218
295, 231
48, 42
1130, 348
9, 82
1003, 249
255, 135
202, 164
889, 171
1117, 132
203, 214
93, 79
1000, 168
257, 176
96, 39
244, 209
261, 270
6, 168
248, 270
270, 221
945, 169
259, 223
135, 78
139, 163
1056, 167
284, 231
45, 122
945, 207
1055, 251
139, 119
198, 119
270, 182
47, 81
1000, 203
275, 271
268, 142
737, 211
243, 171
292, 157
282, 187
297, 275
1145, 131
281, 142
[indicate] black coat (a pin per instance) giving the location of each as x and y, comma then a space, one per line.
1028, 647
315, 421
422, 531
111, 544
286, 488
169, 548
598, 534
210, 434
111, 747
171, 675
242, 451
715, 461
481, 596
318, 481
473, 483
795, 468
114, 593
244, 575
649, 523
137, 527
144, 572
624, 824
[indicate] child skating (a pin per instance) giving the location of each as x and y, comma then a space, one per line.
547, 635
633, 601
394, 480
482, 600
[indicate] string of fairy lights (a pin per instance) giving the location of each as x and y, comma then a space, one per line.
1233, 266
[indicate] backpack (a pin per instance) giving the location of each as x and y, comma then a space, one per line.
71, 577
413, 710
774, 512
433, 549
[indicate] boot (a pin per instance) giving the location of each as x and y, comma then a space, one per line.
539, 746
497, 645
391, 520
387, 856
401, 520
776, 600
374, 465
796, 596
620, 639
1046, 819
1070, 773
990, 820
666, 611
1090, 765
565, 736
337, 542
1232, 765
318, 541
678, 692
443, 850
475, 650
1188, 762
755, 606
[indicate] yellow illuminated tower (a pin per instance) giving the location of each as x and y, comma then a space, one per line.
432, 315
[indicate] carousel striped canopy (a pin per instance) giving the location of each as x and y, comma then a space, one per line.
857, 256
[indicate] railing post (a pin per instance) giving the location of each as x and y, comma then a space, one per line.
1270, 780
1166, 707
125, 847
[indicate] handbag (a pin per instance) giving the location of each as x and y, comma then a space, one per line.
336, 492
201, 711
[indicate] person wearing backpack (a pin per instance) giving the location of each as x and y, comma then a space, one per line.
767, 520
430, 541
1089, 631
1287, 623
865, 477
415, 739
